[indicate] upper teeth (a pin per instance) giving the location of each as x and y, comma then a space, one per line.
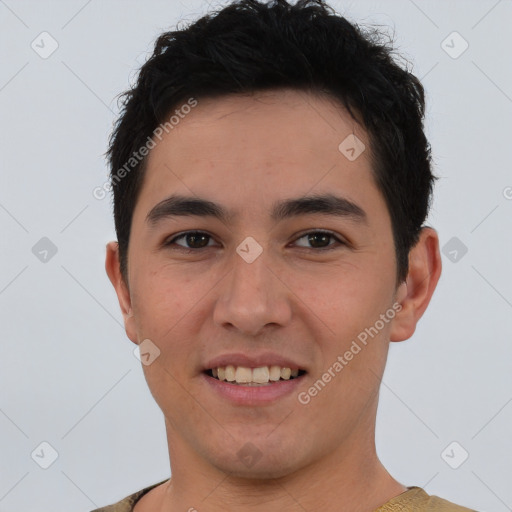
260, 375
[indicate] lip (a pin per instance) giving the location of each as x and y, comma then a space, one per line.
253, 361
252, 395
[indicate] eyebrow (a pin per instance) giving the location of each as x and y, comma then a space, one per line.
326, 204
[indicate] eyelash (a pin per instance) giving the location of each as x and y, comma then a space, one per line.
313, 232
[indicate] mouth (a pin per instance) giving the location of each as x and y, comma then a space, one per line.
260, 376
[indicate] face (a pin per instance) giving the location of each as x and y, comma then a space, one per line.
263, 278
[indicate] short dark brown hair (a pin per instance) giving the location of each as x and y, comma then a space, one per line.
251, 46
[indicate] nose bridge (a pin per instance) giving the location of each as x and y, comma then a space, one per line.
251, 296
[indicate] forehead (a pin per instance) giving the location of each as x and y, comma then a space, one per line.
253, 149
288, 121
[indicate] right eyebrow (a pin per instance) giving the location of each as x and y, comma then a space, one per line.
177, 205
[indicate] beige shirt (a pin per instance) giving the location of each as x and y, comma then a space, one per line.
415, 499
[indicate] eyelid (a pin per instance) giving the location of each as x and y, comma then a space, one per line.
339, 241
172, 239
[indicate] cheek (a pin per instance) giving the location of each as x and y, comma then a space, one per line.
160, 299
170, 309
165, 312
344, 299
349, 307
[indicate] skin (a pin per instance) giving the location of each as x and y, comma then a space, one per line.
247, 152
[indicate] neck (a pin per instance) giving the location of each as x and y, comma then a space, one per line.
350, 478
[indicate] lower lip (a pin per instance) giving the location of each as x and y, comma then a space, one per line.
253, 395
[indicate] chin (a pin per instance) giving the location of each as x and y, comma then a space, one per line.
260, 471
258, 463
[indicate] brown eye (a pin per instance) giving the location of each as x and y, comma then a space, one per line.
320, 240
193, 240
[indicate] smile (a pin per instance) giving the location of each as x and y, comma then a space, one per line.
260, 376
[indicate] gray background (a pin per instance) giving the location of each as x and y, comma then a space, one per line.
68, 375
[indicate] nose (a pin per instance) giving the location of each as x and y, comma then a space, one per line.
252, 297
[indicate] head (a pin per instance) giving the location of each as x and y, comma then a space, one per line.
291, 144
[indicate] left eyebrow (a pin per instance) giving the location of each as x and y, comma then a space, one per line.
326, 204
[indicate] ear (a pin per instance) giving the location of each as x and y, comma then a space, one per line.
113, 268
415, 293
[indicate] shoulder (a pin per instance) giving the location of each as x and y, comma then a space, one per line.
127, 504
435, 503
415, 498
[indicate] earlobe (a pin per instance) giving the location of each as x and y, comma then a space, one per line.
113, 270
415, 293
